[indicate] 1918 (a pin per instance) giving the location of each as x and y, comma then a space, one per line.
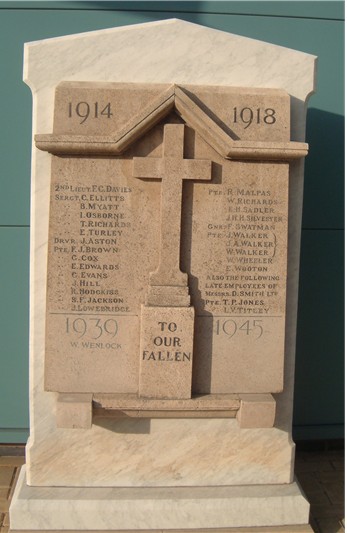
248, 116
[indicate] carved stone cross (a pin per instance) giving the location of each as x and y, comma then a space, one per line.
172, 169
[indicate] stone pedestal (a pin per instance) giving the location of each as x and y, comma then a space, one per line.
96, 458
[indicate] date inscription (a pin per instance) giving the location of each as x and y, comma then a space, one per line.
93, 327
86, 110
249, 115
230, 327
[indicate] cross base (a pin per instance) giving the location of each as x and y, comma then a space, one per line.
168, 296
166, 352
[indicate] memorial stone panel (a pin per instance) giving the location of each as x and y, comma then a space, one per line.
108, 208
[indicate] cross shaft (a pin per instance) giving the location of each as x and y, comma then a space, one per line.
172, 169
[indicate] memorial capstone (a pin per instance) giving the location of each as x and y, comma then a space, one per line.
163, 328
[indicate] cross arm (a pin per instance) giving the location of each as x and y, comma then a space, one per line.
196, 169
147, 167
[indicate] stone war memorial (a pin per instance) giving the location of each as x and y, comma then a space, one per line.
167, 180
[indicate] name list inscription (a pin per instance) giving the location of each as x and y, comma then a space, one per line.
248, 229
102, 228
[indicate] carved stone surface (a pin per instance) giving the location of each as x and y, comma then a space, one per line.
166, 352
171, 221
157, 508
95, 111
74, 411
172, 169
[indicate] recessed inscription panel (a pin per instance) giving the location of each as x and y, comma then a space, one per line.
238, 267
102, 244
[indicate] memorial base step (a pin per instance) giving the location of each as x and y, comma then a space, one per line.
231, 508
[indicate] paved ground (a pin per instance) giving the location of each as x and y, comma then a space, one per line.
320, 473
321, 476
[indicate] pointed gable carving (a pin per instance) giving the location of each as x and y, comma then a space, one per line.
174, 98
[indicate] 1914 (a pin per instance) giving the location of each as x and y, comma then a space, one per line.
85, 111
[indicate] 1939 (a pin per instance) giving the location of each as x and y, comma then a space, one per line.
92, 327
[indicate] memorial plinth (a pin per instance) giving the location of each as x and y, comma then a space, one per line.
165, 235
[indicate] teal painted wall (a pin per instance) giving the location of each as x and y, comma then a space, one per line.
314, 27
